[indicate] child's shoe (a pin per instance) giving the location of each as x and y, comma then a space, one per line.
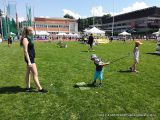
136, 71
131, 69
100, 84
94, 83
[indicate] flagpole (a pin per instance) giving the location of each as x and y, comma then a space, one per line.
5, 21
34, 22
1, 23
17, 21
113, 21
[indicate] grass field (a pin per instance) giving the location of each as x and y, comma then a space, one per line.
123, 96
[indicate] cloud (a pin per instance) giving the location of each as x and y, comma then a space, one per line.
75, 15
21, 19
97, 11
44, 17
135, 6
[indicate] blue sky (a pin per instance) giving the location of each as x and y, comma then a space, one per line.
80, 8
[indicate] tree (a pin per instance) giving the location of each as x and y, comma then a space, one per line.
68, 16
80, 24
105, 17
85, 23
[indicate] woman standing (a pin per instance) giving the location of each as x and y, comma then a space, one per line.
29, 55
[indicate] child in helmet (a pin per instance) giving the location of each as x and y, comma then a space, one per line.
99, 68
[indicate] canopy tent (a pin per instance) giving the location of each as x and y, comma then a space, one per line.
85, 30
11, 33
124, 33
61, 34
157, 33
95, 30
75, 34
70, 34
41, 33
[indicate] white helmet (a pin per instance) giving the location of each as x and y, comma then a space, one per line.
93, 56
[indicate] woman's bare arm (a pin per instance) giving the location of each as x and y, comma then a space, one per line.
25, 48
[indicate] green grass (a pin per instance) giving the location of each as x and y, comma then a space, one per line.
60, 68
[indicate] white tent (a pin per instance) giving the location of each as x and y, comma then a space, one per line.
11, 33
44, 33
85, 30
124, 33
61, 34
41, 33
75, 34
70, 34
157, 33
95, 30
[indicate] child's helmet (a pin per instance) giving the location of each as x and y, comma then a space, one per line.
93, 56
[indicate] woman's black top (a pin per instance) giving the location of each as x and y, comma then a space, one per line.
31, 50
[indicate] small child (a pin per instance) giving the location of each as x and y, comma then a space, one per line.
136, 56
99, 68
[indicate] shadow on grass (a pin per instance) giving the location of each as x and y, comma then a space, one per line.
153, 54
125, 71
11, 90
85, 51
86, 85
88, 51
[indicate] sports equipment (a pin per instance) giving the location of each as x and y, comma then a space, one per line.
113, 61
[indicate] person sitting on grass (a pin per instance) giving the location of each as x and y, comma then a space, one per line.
99, 69
136, 56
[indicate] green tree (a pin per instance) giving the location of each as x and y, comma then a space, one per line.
105, 17
80, 24
68, 16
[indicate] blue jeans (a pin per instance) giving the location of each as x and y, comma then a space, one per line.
98, 74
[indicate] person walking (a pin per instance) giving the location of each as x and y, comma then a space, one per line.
90, 42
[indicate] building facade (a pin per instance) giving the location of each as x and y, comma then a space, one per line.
54, 25
144, 21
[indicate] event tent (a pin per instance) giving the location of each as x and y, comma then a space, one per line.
70, 34
124, 33
85, 30
41, 33
95, 30
157, 33
61, 34
11, 33
75, 34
